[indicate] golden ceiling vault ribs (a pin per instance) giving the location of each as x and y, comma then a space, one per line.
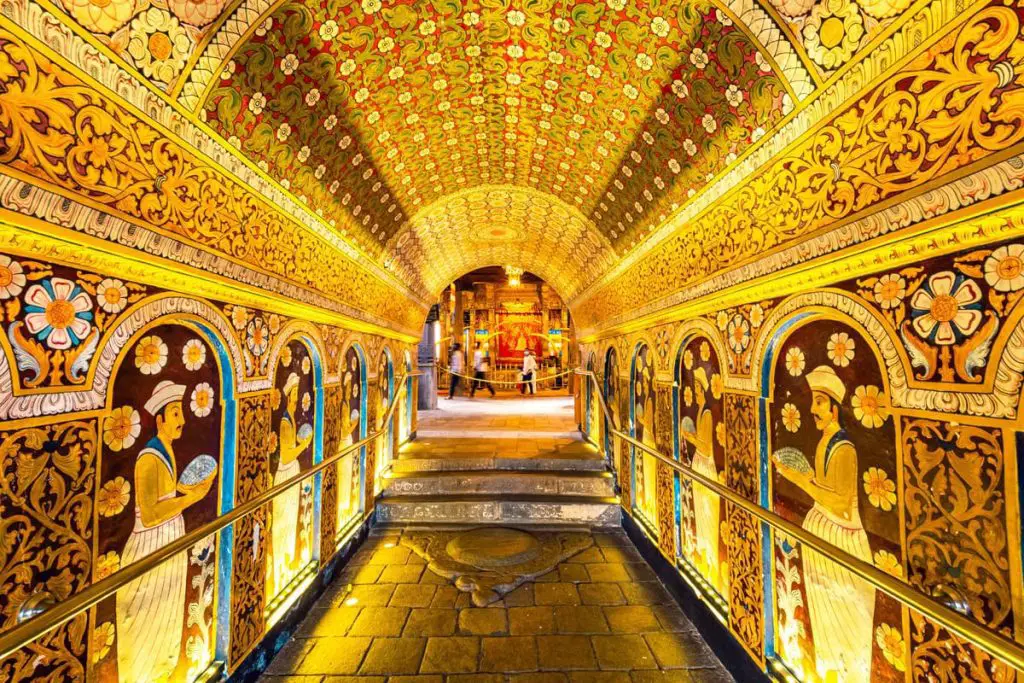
63, 134
954, 104
501, 224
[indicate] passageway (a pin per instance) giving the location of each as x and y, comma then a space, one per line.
595, 611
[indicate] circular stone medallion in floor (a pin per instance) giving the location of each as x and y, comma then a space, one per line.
493, 548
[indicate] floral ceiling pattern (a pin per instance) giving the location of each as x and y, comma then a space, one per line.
620, 110
375, 113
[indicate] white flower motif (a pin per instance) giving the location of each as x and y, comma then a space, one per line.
1004, 268
257, 337
733, 95
560, 25
330, 122
58, 312
289, 63
150, 355
840, 349
257, 102
328, 30
201, 401
515, 18
111, 295
617, 5
371, 6
427, 28
795, 361
630, 91
680, 89
12, 278
709, 123
603, 39
284, 131
660, 27
386, 44
738, 332
948, 308
319, 172
347, 67
644, 61
396, 72
303, 154
699, 58
193, 355
890, 290
312, 97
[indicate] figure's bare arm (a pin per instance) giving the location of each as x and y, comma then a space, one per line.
147, 493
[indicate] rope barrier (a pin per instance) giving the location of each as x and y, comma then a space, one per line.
508, 382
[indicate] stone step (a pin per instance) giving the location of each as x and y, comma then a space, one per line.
592, 511
464, 464
501, 483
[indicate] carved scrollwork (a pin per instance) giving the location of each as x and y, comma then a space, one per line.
46, 508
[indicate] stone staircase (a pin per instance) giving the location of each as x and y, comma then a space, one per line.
498, 490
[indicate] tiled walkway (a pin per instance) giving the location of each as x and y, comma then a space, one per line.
508, 426
600, 617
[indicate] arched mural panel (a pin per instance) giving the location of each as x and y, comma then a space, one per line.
164, 440
383, 446
611, 393
590, 405
642, 424
834, 467
353, 429
293, 412
702, 447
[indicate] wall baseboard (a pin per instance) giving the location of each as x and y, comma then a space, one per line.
715, 633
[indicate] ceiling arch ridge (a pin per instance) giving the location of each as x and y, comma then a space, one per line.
895, 45
526, 227
58, 35
233, 30
766, 30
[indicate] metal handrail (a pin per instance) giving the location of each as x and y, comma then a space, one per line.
992, 642
25, 633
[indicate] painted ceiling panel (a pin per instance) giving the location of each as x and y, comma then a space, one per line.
623, 111
581, 127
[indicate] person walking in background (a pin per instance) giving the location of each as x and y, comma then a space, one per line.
529, 373
457, 365
480, 368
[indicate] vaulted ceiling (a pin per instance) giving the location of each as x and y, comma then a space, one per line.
437, 137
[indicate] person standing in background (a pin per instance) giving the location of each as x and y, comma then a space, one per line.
529, 373
480, 368
457, 365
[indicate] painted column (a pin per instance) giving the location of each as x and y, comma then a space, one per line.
426, 384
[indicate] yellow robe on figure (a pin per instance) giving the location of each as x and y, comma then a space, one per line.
150, 611
285, 518
841, 605
706, 505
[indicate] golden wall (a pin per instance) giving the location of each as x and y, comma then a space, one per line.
846, 354
135, 414
178, 336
